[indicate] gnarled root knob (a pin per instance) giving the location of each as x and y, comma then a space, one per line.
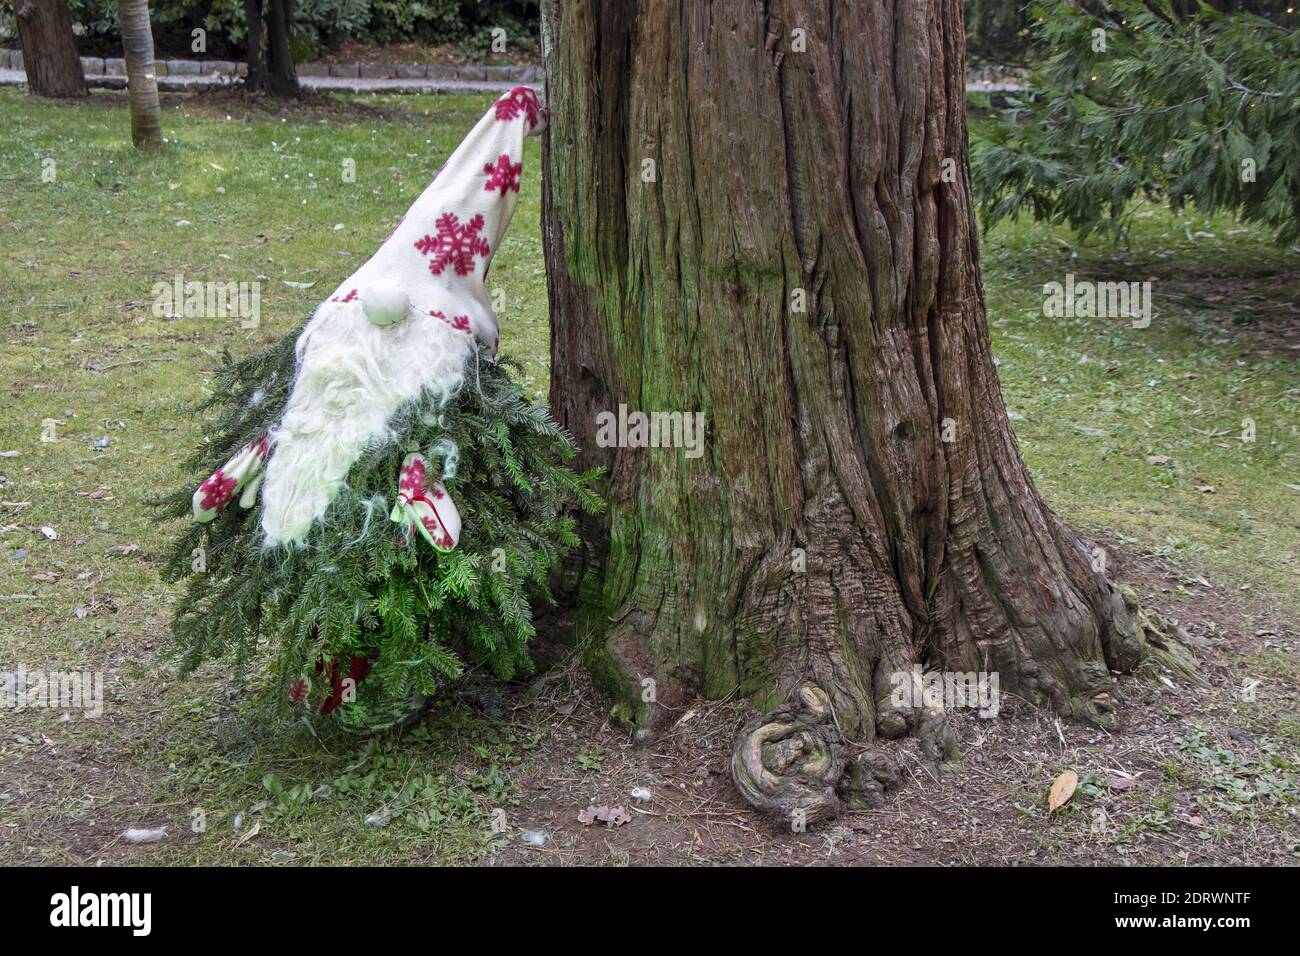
789, 762
871, 775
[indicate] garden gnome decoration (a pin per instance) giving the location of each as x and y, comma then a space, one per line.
411, 320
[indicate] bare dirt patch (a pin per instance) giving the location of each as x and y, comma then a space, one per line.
1145, 796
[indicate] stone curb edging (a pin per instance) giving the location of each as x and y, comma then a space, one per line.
196, 84
95, 66
196, 75
990, 79
417, 71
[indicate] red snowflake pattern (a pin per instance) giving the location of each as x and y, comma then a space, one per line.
217, 491
261, 445
521, 99
458, 322
411, 480
440, 537
504, 175
352, 294
456, 244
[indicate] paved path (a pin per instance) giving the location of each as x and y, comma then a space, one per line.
183, 84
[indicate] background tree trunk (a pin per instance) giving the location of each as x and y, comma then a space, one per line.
802, 268
995, 28
270, 69
49, 49
256, 78
142, 84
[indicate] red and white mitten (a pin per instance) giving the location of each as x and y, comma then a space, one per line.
244, 471
425, 506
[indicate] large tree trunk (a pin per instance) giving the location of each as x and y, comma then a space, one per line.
803, 269
49, 49
270, 69
141, 82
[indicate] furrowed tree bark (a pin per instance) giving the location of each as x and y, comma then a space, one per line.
49, 48
141, 81
761, 212
270, 69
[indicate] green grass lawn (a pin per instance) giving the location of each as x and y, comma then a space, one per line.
237, 200
1211, 385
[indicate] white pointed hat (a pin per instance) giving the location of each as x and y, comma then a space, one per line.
436, 259
401, 326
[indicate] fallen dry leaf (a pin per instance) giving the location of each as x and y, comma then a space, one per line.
253, 831
1157, 459
612, 816
1062, 790
123, 549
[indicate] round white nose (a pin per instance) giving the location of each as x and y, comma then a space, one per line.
385, 302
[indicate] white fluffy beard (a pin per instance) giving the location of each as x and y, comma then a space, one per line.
352, 376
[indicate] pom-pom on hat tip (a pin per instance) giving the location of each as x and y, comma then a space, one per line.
384, 302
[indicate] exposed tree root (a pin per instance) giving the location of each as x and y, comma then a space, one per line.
790, 761
796, 764
1162, 641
